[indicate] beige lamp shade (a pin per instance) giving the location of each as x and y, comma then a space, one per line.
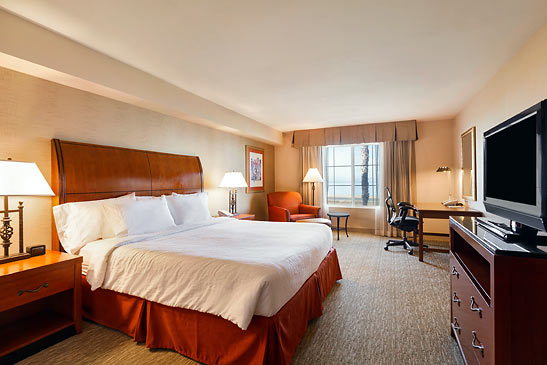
313, 176
22, 179
233, 179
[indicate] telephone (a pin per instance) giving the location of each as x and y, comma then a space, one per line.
452, 203
225, 213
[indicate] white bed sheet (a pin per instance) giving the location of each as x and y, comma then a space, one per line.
227, 267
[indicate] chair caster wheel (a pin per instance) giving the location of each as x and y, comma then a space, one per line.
411, 252
386, 248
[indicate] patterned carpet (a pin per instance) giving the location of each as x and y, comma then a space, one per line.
388, 309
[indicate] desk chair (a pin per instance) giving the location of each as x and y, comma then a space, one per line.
401, 221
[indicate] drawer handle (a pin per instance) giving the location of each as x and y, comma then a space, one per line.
457, 326
455, 272
475, 307
21, 292
455, 299
474, 343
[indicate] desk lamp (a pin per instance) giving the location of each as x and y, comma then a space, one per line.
447, 170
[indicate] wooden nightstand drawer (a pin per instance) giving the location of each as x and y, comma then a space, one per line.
35, 284
39, 297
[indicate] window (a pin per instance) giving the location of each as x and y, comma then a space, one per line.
352, 175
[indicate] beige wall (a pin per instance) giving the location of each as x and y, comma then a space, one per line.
433, 149
287, 162
521, 83
34, 50
33, 111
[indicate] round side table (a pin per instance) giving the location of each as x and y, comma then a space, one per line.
339, 215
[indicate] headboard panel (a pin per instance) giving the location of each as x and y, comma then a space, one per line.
82, 172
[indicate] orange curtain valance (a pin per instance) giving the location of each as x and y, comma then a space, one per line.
364, 133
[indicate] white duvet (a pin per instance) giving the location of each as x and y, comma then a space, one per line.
227, 267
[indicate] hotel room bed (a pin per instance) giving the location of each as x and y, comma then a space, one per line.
223, 291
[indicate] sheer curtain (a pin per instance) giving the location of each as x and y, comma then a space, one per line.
313, 156
398, 173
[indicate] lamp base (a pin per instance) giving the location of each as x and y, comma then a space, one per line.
14, 257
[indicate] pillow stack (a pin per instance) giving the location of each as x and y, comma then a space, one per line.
80, 223
83, 222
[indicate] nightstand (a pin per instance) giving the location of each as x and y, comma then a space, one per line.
245, 216
41, 296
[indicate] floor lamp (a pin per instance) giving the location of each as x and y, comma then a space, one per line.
313, 176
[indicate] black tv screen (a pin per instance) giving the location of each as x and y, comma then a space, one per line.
511, 163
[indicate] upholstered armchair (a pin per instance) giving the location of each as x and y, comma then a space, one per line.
286, 206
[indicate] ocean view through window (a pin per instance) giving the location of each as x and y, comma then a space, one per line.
352, 175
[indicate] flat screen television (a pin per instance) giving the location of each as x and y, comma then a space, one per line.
515, 184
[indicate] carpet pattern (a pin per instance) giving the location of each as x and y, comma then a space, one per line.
388, 309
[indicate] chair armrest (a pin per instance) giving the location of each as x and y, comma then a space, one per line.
401, 204
310, 209
278, 214
404, 211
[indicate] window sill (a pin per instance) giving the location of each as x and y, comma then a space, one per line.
350, 207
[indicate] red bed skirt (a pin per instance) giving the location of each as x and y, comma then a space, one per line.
211, 339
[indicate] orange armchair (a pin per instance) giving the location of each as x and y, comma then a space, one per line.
286, 206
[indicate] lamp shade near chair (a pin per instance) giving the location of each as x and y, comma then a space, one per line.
18, 179
233, 180
313, 176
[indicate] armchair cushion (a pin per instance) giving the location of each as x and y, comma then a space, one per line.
297, 217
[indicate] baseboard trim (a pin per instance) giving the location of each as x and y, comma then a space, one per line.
355, 229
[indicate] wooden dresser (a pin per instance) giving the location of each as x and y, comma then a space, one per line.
39, 296
498, 294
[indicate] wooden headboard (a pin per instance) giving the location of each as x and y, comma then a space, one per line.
82, 172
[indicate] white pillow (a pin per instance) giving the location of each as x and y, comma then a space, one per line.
81, 222
189, 208
138, 217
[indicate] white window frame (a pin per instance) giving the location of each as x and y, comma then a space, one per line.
353, 206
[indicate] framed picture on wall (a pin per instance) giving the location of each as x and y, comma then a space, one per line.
254, 169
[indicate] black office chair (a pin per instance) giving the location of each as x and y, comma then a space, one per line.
402, 221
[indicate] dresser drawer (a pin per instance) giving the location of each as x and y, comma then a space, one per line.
474, 316
31, 285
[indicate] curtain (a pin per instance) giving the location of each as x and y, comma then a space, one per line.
314, 157
351, 134
399, 175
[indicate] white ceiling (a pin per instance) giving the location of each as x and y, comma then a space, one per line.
309, 63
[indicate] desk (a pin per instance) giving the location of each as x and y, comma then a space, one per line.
438, 211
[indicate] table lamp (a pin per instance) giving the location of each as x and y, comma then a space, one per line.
18, 179
313, 176
233, 180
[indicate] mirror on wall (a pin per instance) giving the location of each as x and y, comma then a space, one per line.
469, 173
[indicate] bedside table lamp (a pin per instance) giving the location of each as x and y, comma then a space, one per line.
233, 180
18, 179
313, 176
